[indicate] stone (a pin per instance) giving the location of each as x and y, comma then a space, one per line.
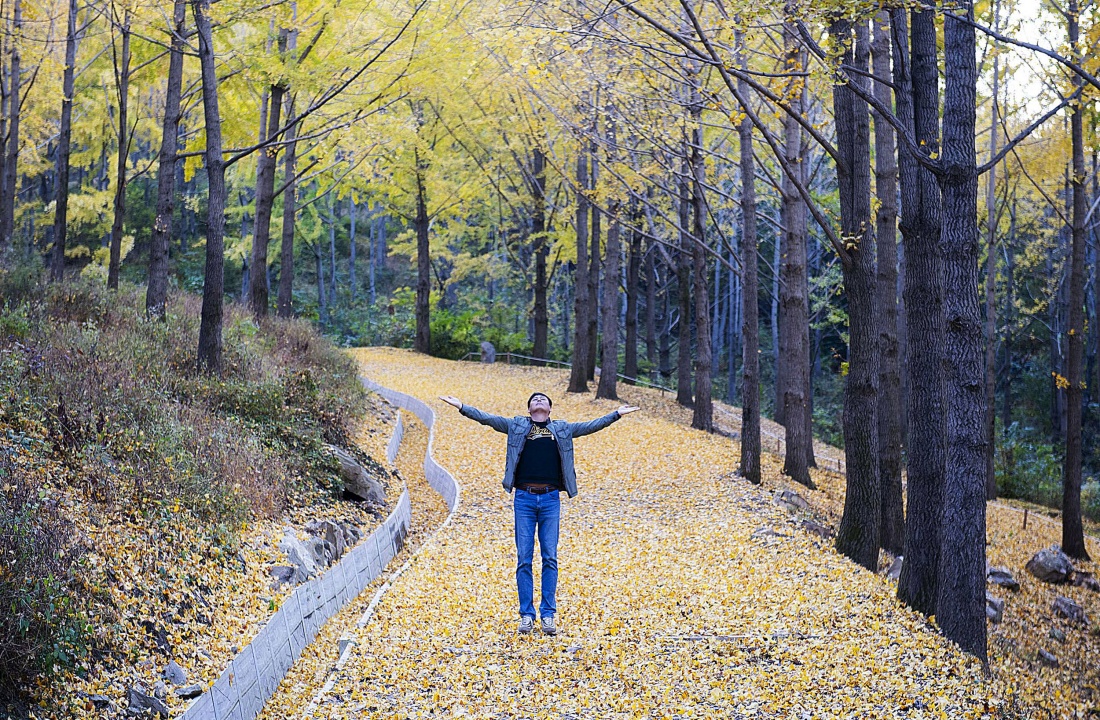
357, 481
299, 555
191, 691
768, 532
1051, 565
812, 526
281, 574
334, 536
1057, 634
1070, 610
1002, 576
791, 501
99, 702
994, 607
317, 551
176, 674
1048, 659
160, 690
141, 703
894, 571
1086, 580
488, 352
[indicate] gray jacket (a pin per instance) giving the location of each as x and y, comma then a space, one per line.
517, 429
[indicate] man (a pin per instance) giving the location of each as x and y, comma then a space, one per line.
539, 466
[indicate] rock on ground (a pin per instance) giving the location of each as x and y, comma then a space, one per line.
357, 480
1070, 610
1051, 565
1002, 576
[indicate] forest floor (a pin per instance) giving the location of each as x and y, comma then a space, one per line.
684, 592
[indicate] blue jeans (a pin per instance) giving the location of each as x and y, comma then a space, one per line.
537, 513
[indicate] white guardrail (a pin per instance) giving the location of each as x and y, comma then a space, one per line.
252, 677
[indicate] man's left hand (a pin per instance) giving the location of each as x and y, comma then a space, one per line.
626, 410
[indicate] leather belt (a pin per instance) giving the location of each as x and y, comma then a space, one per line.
540, 490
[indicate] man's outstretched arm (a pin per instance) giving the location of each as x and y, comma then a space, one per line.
496, 422
587, 428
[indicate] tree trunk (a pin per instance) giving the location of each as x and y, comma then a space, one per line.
290, 200
1073, 537
960, 607
750, 303
664, 339
265, 196
156, 293
609, 340
578, 373
918, 105
858, 535
991, 276
683, 289
538, 231
892, 528
322, 295
11, 160
593, 270
333, 219
633, 267
122, 75
703, 416
352, 212
213, 286
651, 302
423, 343
793, 370
64, 144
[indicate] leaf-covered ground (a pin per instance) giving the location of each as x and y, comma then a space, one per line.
684, 591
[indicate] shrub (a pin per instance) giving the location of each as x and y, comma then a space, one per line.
42, 624
1027, 468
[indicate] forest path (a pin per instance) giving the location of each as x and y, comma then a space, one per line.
683, 590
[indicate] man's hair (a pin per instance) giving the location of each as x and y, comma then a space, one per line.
538, 394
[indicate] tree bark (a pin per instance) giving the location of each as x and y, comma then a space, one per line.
793, 370
593, 270
991, 275
265, 196
290, 199
11, 160
538, 231
1073, 536
683, 288
423, 343
750, 301
156, 293
122, 74
960, 606
213, 286
650, 264
578, 373
702, 417
918, 105
633, 266
609, 340
892, 528
352, 213
858, 534
64, 145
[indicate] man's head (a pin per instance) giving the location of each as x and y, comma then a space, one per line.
538, 405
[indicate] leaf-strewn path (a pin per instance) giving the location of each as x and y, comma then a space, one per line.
671, 601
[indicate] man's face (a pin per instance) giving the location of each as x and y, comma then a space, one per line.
539, 407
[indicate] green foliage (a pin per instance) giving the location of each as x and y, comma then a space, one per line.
1028, 468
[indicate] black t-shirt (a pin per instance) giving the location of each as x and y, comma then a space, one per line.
540, 461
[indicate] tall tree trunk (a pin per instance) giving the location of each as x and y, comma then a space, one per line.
64, 144
265, 195
664, 339
352, 212
918, 104
156, 293
213, 286
333, 219
683, 288
322, 294
779, 362
793, 369
538, 230
734, 321
1073, 537
633, 266
609, 339
1010, 304
11, 159
960, 607
423, 343
892, 528
650, 264
593, 270
290, 200
991, 275
578, 373
702, 417
750, 300
858, 535
122, 76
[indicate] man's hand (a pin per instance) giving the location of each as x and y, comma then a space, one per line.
626, 410
451, 400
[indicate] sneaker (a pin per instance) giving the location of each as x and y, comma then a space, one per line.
548, 626
526, 625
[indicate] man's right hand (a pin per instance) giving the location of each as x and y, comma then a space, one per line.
451, 400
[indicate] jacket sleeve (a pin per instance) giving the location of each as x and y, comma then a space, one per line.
496, 422
587, 428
